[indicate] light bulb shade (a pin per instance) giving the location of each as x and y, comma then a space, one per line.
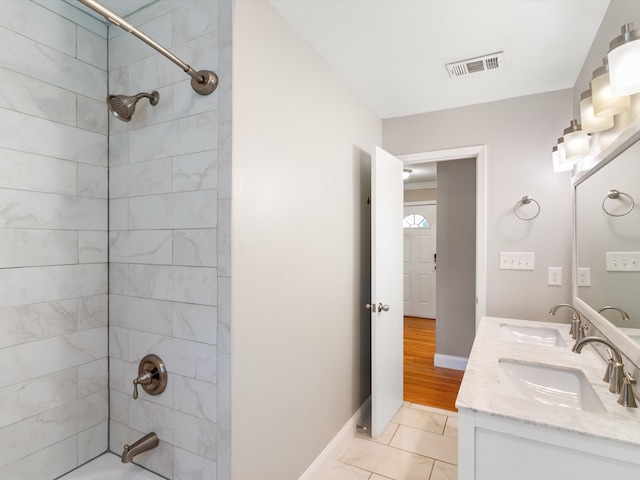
405, 173
562, 157
624, 62
576, 142
605, 104
591, 123
557, 166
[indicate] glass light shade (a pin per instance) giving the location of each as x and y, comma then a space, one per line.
591, 123
562, 156
557, 166
605, 104
576, 142
405, 173
624, 62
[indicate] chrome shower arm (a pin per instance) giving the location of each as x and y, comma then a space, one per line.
203, 82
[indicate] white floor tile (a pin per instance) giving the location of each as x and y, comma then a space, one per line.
441, 411
425, 443
422, 419
386, 461
341, 471
444, 471
451, 430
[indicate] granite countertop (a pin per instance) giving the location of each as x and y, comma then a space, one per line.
479, 391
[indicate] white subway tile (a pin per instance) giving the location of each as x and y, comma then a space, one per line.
119, 278
31, 96
174, 211
92, 48
93, 442
198, 248
50, 462
144, 178
28, 323
190, 359
92, 181
92, 115
25, 248
119, 406
92, 312
195, 397
224, 391
46, 210
196, 171
118, 149
29, 398
118, 214
126, 49
194, 20
118, 342
187, 102
195, 322
26, 171
44, 284
142, 246
154, 316
34, 59
76, 15
189, 466
92, 377
52, 426
224, 315
92, 246
16, 133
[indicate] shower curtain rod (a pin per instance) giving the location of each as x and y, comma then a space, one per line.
203, 81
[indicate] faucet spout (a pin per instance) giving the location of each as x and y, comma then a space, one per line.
575, 323
623, 314
617, 374
147, 442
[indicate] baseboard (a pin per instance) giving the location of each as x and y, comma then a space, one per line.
321, 465
449, 361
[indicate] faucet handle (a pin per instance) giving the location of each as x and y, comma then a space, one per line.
152, 375
144, 379
609, 371
627, 397
581, 331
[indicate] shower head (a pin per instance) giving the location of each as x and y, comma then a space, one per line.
123, 106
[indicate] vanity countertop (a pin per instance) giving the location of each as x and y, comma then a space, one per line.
479, 388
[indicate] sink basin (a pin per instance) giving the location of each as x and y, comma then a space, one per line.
548, 385
548, 337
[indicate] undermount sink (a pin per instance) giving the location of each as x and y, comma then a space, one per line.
548, 385
548, 337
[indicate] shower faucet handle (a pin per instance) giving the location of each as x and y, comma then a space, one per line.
152, 375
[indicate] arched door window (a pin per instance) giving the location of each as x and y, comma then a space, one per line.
415, 220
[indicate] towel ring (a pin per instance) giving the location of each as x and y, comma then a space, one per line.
526, 200
613, 194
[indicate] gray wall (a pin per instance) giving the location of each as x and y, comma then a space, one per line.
301, 142
519, 134
53, 239
456, 280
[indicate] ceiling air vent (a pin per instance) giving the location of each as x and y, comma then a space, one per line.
476, 65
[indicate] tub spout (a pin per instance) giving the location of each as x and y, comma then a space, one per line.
147, 442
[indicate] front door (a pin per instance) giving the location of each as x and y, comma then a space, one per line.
387, 323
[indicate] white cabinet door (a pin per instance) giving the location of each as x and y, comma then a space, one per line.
387, 324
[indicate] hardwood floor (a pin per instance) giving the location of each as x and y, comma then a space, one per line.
425, 383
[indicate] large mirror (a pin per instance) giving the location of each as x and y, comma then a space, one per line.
607, 244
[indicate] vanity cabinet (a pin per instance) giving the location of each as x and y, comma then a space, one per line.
496, 448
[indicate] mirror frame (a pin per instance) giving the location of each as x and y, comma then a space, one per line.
627, 346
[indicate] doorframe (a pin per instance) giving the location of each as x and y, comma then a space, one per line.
479, 152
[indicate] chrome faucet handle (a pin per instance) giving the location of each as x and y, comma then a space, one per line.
627, 397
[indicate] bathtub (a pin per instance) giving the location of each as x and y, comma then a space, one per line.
109, 467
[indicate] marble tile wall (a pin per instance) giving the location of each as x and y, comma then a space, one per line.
169, 292
53, 239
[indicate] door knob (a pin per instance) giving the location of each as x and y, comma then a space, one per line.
383, 308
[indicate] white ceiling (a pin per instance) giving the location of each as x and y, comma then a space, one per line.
393, 52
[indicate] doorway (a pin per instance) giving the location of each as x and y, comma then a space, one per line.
430, 378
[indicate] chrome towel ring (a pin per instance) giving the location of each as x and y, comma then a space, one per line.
613, 194
526, 200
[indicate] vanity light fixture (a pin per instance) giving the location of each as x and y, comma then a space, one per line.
624, 62
559, 167
405, 173
576, 142
605, 104
591, 123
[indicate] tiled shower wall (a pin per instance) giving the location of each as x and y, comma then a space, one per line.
169, 240
53, 239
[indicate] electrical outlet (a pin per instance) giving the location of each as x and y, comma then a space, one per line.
555, 276
584, 277
516, 261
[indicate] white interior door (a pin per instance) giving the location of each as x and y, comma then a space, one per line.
387, 324
420, 261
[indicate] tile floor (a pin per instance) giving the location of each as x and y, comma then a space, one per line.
420, 443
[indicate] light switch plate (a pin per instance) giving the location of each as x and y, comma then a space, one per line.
516, 261
623, 261
555, 276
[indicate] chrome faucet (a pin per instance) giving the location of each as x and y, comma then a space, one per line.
616, 373
147, 442
575, 323
623, 314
